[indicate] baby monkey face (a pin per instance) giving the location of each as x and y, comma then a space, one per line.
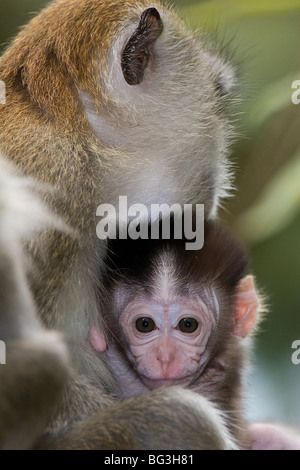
167, 341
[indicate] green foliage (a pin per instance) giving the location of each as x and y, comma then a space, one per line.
274, 98
277, 206
227, 11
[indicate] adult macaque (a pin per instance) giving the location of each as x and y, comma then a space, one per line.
108, 98
177, 318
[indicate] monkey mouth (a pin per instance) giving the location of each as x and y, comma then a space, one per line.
152, 384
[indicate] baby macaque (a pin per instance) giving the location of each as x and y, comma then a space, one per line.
179, 317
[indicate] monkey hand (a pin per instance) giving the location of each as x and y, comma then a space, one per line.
265, 436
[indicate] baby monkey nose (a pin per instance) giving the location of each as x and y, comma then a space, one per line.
166, 353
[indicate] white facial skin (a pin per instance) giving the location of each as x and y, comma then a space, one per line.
167, 342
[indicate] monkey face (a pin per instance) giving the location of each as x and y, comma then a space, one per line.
167, 342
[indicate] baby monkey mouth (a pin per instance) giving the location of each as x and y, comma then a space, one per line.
157, 383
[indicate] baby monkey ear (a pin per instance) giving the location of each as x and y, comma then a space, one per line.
246, 307
139, 48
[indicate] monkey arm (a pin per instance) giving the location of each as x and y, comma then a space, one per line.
35, 367
30, 385
164, 419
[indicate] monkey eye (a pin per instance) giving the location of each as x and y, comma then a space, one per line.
188, 325
145, 325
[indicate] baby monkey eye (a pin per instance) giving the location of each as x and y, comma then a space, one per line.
188, 325
145, 324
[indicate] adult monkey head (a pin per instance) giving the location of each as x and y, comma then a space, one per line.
109, 98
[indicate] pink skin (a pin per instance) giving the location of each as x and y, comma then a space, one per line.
167, 354
246, 307
272, 437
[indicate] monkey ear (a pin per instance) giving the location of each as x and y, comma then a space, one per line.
136, 54
246, 307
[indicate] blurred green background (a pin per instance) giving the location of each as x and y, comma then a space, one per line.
263, 38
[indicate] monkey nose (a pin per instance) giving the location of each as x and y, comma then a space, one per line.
165, 355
